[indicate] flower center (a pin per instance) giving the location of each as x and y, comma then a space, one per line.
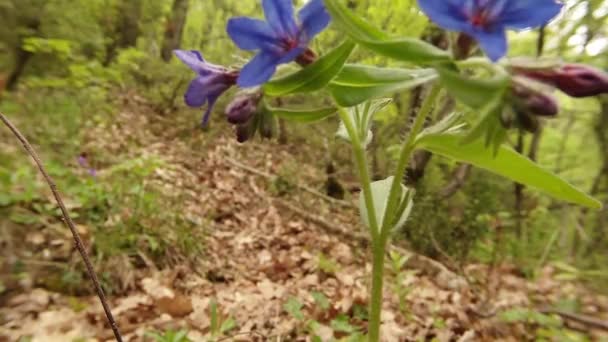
480, 19
289, 44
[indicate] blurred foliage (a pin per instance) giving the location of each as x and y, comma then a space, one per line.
76, 61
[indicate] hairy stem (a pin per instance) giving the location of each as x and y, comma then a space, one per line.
380, 230
364, 176
68, 221
404, 158
375, 314
379, 244
374, 225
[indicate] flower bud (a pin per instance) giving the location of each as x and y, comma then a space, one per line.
532, 101
527, 122
246, 131
576, 80
242, 108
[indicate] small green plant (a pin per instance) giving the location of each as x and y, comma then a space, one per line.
326, 264
397, 262
220, 324
169, 336
340, 324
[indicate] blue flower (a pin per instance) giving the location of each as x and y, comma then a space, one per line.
210, 83
487, 20
280, 39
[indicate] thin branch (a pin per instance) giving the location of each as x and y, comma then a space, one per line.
68, 221
585, 320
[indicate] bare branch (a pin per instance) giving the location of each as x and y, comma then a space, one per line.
68, 221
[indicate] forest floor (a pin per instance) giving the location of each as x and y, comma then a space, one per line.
283, 262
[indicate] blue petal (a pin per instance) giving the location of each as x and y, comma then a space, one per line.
291, 55
193, 59
449, 14
493, 43
279, 14
252, 34
259, 70
523, 14
313, 18
196, 95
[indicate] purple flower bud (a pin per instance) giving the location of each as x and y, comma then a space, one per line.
246, 131
243, 108
532, 101
576, 80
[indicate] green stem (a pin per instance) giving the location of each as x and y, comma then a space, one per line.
379, 244
362, 167
404, 158
375, 313
380, 230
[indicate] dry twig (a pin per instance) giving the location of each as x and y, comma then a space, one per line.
584, 320
68, 221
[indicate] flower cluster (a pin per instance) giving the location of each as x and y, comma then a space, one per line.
278, 40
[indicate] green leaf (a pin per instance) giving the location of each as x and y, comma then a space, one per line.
227, 325
294, 308
303, 116
365, 34
181, 336
321, 300
342, 324
474, 93
506, 163
313, 77
380, 192
489, 115
358, 83
361, 117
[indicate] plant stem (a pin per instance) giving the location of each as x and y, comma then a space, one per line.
404, 158
379, 250
380, 231
375, 314
364, 177
68, 221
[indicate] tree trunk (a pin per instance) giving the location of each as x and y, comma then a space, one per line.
126, 29
174, 29
22, 57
